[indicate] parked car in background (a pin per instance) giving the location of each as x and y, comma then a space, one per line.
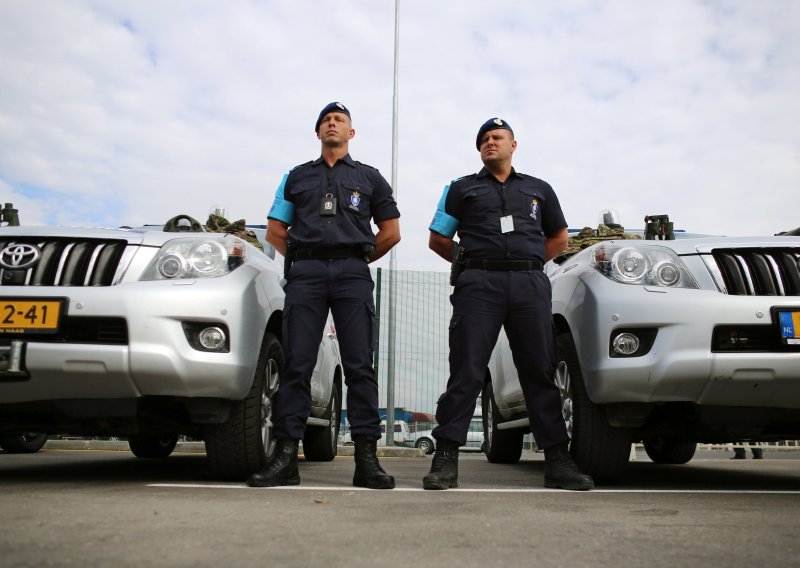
667, 342
400, 434
425, 441
150, 334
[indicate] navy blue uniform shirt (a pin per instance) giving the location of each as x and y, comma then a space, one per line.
361, 192
474, 205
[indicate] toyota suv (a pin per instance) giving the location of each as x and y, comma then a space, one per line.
151, 334
667, 342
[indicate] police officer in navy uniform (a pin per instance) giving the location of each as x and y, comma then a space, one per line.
322, 212
509, 225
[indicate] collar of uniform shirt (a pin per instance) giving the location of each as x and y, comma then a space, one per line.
347, 160
486, 173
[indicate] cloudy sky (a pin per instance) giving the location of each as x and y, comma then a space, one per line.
129, 112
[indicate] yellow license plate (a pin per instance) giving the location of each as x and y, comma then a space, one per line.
26, 316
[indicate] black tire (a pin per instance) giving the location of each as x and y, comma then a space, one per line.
320, 443
426, 445
500, 446
598, 448
669, 450
243, 444
153, 446
24, 443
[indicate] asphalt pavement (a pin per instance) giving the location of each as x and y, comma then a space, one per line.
104, 507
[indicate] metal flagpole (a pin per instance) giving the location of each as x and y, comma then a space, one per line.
392, 255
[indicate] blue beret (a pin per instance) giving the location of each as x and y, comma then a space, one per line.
330, 107
492, 124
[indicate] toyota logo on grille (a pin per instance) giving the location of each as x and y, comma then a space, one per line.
19, 256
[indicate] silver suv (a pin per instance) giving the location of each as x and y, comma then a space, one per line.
668, 342
151, 335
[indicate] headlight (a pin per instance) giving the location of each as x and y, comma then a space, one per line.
630, 264
195, 258
645, 266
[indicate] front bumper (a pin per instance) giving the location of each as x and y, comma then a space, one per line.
158, 358
680, 366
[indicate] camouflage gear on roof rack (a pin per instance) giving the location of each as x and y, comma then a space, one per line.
219, 224
587, 236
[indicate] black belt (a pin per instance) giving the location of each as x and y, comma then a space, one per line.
487, 264
328, 253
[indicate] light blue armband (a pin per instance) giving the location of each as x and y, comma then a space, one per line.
443, 223
282, 210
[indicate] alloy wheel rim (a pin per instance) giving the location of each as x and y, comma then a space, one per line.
564, 384
267, 392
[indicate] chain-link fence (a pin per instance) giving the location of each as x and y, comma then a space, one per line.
420, 353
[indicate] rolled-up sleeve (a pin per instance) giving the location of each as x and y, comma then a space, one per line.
383, 205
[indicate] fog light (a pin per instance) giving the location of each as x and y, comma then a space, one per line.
625, 344
212, 338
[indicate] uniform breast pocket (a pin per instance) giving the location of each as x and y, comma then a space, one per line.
479, 202
307, 193
356, 198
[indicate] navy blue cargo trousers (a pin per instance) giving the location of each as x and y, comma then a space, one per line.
520, 301
343, 286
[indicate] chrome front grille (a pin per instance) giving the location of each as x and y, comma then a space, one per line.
63, 262
759, 271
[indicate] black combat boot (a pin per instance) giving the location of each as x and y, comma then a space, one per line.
369, 472
561, 471
444, 469
281, 469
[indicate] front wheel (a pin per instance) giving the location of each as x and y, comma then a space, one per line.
598, 448
243, 444
426, 445
320, 442
153, 446
500, 446
23, 443
669, 450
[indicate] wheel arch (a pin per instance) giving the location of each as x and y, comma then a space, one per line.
561, 323
275, 324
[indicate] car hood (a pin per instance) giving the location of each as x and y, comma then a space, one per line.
135, 236
704, 245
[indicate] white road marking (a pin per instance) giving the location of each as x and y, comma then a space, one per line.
466, 490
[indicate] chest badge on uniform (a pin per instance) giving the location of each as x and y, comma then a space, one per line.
534, 208
355, 201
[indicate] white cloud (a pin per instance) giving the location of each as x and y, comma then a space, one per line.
131, 112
